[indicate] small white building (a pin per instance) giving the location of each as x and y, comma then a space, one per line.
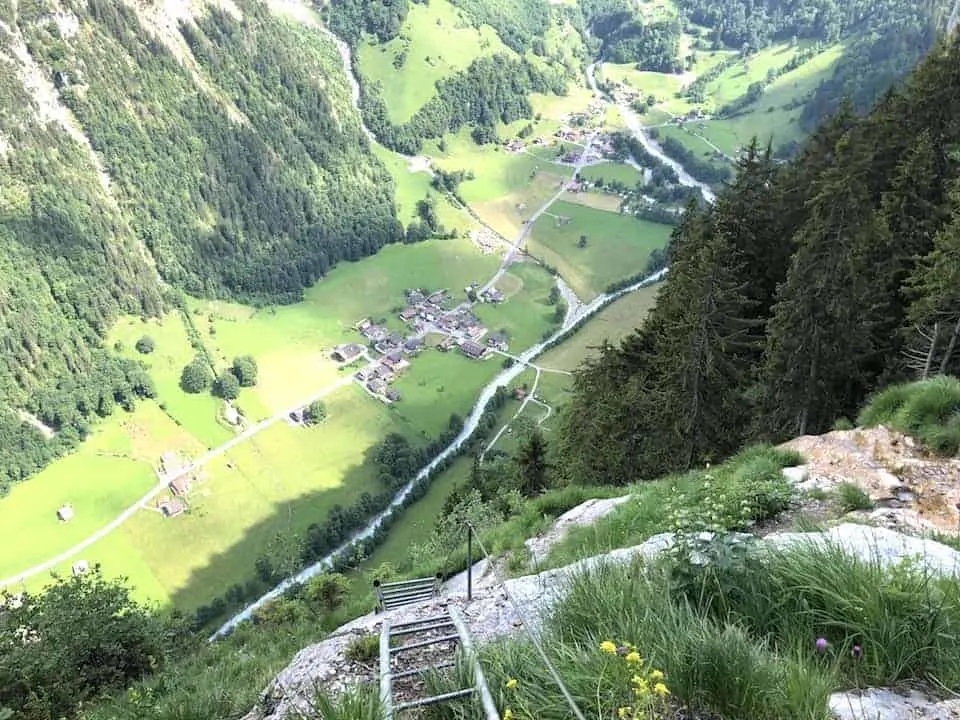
80, 567
65, 513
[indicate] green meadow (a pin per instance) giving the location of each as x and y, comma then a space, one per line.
525, 315
620, 172
433, 44
618, 246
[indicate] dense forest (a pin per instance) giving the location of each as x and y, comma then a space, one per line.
804, 288
492, 89
619, 34
247, 177
884, 39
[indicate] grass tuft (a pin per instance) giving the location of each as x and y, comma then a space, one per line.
928, 410
851, 497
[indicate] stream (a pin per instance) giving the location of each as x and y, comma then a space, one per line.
576, 312
649, 144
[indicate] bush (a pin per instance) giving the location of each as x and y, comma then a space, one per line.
145, 345
245, 369
227, 386
928, 411
90, 638
196, 376
851, 497
842, 424
363, 649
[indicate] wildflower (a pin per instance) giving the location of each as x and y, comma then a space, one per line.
625, 712
508, 714
633, 657
857, 651
608, 647
511, 683
661, 689
821, 645
656, 676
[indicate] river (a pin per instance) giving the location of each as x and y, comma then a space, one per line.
650, 145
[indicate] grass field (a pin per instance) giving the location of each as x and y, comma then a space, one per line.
198, 414
277, 483
438, 384
617, 246
525, 316
412, 187
435, 44
627, 174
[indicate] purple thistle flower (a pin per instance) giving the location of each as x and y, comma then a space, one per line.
857, 651
821, 645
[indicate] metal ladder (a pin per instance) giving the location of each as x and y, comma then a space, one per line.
445, 631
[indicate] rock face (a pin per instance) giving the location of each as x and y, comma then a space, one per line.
888, 466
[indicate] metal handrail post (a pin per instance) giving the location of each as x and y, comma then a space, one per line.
379, 591
469, 563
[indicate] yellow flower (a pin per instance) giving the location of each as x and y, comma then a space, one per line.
508, 714
608, 647
633, 657
511, 683
656, 676
624, 712
661, 689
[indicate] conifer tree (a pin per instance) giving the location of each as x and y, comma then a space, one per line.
818, 337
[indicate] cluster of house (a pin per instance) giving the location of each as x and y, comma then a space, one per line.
425, 312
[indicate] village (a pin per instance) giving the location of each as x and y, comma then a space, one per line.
425, 313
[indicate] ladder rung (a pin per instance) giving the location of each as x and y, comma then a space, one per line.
435, 699
425, 643
418, 671
407, 599
425, 628
421, 621
402, 583
408, 593
404, 603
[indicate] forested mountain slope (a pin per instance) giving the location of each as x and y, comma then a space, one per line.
142, 145
804, 288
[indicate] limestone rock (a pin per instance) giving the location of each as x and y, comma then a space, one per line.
877, 544
883, 704
586, 513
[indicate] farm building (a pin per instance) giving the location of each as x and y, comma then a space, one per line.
498, 341
80, 567
473, 350
396, 362
346, 353
65, 513
393, 395
413, 346
181, 485
171, 507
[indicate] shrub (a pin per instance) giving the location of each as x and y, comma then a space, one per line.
928, 410
363, 648
196, 376
226, 386
245, 369
145, 345
851, 497
842, 424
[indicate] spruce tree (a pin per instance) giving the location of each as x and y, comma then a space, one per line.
817, 338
